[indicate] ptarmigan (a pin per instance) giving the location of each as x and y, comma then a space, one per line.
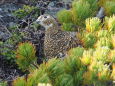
57, 42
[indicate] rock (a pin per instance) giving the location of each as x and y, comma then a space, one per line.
51, 4
4, 34
100, 13
0, 9
11, 24
1, 16
6, 15
66, 1
54, 6
7, 71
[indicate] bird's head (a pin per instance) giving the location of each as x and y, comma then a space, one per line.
46, 21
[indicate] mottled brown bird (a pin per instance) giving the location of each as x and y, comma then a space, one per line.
57, 42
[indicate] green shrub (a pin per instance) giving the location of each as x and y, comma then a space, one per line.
100, 73
38, 76
25, 55
72, 71
81, 10
76, 52
109, 7
93, 24
20, 81
113, 39
110, 23
103, 33
64, 80
112, 56
74, 67
89, 39
26, 10
3, 83
104, 42
101, 54
113, 72
44, 84
94, 5
64, 16
76, 16
68, 26
87, 57
54, 68
8, 47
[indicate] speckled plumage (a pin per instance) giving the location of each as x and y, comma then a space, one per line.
57, 42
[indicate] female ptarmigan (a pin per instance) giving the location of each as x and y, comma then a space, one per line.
57, 42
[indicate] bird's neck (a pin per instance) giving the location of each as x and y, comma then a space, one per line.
53, 29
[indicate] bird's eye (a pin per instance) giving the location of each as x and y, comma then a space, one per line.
45, 16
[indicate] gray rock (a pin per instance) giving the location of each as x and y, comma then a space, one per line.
51, 4
1, 16
11, 24
100, 13
6, 15
0, 9
4, 36
66, 1
55, 6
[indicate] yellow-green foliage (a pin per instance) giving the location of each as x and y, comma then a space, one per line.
44, 84
102, 2
87, 56
68, 26
88, 67
71, 71
93, 5
76, 16
102, 70
64, 16
20, 81
88, 40
110, 23
76, 52
113, 72
64, 80
103, 33
98, 72
112, 55
25, 55
104, 42
101, 54
54, 68
80, 8
56, 72
109, 7
3, 83
94, 35
99, 60
93, 24
113, 40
